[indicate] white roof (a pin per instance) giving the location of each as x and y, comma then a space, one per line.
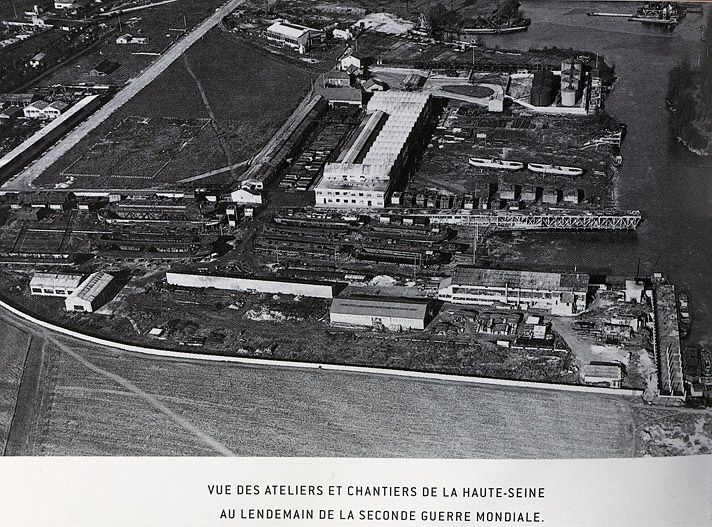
92, 286
288, 29
55, 280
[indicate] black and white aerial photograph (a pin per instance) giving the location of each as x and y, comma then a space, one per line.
470, 229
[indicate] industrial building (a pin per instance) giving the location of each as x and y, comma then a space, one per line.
253, 285
93, 293
54, 284
301, 38
391, 314
371, 160
543, 92
560, 294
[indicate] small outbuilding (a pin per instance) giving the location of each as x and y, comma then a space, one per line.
606, 373
391, 314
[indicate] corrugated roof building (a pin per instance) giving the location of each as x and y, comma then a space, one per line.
391, 314
558, 293
93, 293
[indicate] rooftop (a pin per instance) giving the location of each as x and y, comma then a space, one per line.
467, 275
52, 280
288, 29
606, 371
379, 308
93, 286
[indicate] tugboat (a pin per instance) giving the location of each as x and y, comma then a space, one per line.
496, 163
661, 13
554, 169
683, 305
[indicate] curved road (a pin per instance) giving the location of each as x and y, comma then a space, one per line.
23, 180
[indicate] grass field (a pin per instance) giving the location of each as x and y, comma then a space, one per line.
110, 403
245, 92
13, 349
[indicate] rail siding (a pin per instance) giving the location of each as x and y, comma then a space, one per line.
317, 366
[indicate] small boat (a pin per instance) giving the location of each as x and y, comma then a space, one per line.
683, 305
496, 163
554, 169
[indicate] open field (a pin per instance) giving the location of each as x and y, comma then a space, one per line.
13, 350
111, 403
245, 92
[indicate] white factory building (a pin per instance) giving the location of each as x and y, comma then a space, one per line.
371, 160
54, 284
559, 294
253, 285
394, 315
93, 293
301, 38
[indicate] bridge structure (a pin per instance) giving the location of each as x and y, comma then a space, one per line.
508, 220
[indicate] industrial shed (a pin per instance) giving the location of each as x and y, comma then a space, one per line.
254, 285
54, 284
93, 293
603, 373
391, 314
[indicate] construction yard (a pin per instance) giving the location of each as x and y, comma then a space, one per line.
465, 131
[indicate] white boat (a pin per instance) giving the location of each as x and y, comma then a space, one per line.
555, 169
496, 163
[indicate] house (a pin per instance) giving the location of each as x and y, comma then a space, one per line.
355, 59
342, 34
11, 113
55, 109
373, 85
105, 67
606, 373
44, 110
298, 37
91, 294
35, 110
337, 79
558, 293
379, 312
53, 284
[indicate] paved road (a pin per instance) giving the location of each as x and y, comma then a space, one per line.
23, 180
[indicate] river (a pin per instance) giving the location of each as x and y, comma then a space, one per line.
659, 177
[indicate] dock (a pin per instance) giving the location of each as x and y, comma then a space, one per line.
666, 341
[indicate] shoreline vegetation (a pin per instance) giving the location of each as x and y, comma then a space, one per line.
689, 99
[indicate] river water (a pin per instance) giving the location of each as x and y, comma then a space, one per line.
672, 187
